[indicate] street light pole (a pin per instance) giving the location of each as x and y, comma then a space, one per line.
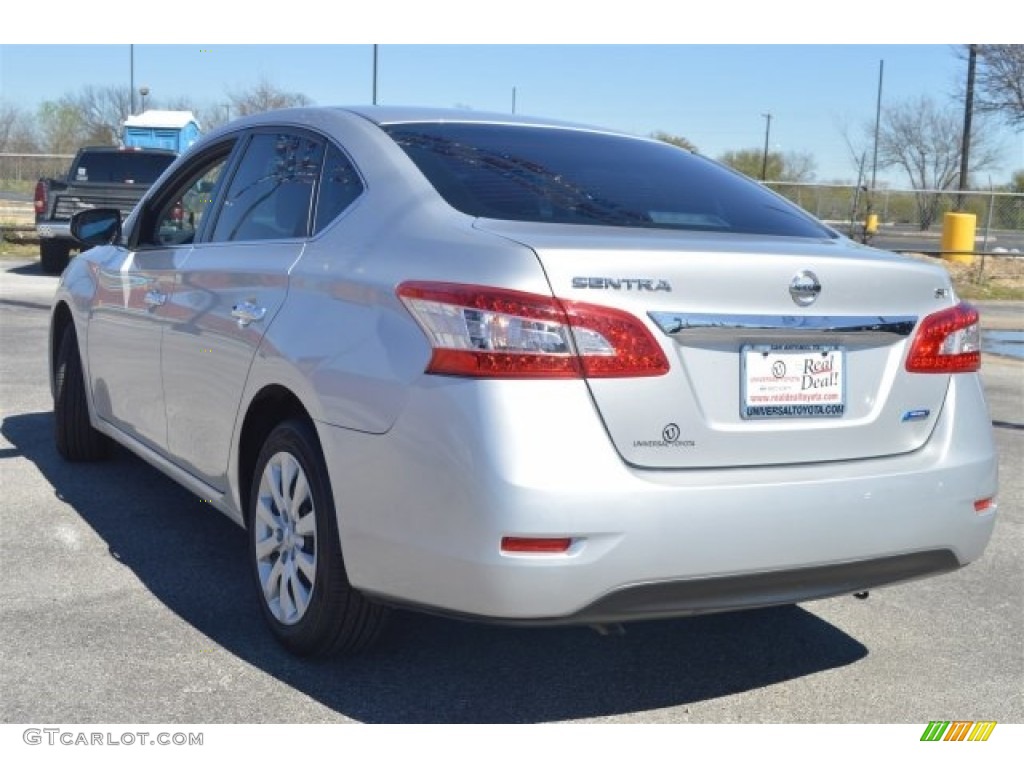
767, 134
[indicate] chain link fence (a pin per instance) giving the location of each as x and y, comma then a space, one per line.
20, 171
846, 208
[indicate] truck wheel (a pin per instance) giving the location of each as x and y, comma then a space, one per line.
54, 256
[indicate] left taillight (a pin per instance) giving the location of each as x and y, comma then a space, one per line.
948, 341
486, 332
39, 198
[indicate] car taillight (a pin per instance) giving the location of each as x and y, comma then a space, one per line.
39, 198
947, 342
497, 333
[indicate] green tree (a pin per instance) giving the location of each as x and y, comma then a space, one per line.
679, 141
61, 128
16, 134
789, 166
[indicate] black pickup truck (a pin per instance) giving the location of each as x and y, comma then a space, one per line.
99, 177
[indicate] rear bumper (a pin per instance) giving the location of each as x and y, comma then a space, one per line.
422, 510
731, 593
54, 229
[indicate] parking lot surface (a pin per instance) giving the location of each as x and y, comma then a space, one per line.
125, 599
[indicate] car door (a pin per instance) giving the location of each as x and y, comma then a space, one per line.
229, 290
132, 308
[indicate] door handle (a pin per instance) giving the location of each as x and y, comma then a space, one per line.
246, 312
155, 299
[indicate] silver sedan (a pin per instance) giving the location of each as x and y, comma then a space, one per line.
515, 370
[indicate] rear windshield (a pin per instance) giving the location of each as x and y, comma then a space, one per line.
120, 167
562, 176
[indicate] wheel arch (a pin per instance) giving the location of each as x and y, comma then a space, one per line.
59, 321
272, 405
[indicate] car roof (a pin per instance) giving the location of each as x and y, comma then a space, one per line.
396, 115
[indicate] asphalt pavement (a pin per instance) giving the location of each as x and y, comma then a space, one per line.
125, 599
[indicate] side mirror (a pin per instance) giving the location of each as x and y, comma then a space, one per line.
98, 226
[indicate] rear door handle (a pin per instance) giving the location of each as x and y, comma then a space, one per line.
246, 312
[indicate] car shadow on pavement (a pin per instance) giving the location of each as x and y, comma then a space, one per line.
426, 669
32, 268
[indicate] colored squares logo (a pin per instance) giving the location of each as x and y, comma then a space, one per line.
958, 730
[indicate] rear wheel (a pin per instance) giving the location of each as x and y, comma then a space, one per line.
74, 434
295, 551
54, 255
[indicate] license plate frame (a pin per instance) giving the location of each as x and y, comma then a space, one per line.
792, 381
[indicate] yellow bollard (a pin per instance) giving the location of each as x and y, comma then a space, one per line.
958, 237
871, 224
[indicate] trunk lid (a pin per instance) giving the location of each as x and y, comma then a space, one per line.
782, 350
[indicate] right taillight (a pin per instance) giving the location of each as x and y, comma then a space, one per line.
39, 198
486, 332
947, 342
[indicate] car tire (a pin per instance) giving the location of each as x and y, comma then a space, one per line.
54, 256
74, 435
295, 551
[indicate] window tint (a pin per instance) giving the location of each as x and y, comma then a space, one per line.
184, 206
339, 187
528, 173
271, 193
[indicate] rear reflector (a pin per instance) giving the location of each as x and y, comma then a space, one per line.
521, 545
985, 505
496, 333
947, 342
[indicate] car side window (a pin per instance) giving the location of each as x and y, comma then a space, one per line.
183, 208
340, 185
271, 194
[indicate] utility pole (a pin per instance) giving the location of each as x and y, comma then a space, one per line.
131, 75
878, 118
513, 99
375, 74
965, 147
767, 133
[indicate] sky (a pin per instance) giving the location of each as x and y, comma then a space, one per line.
716, 95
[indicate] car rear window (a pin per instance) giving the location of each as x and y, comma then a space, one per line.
121, 167
568, 176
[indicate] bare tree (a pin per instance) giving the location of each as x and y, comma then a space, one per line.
264, 96
999, 83
923, 140
102, 111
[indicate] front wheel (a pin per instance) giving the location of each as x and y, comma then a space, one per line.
295, 551
74, 435
54, 256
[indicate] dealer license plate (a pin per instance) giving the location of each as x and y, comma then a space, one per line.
781, 381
